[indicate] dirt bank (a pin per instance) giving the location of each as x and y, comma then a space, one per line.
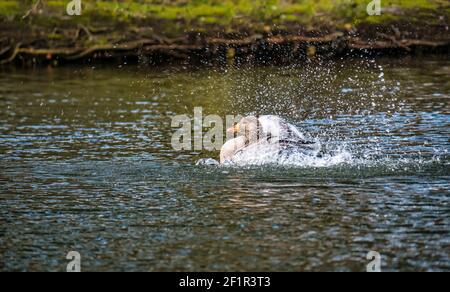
40, 32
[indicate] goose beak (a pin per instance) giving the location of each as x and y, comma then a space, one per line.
234, 129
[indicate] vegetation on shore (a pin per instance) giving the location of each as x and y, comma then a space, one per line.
228, 12
107, 24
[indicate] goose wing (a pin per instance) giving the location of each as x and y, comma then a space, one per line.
275, 126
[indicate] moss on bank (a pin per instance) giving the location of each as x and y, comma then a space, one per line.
228, 12
111, 22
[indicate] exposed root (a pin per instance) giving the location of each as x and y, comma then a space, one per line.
86, 31
403, 44
109, 47
302, 39
13, 55
394, 40
34, 9
182, 47
276, 40
48, 52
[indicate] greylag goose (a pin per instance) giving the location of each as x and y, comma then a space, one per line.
264, 133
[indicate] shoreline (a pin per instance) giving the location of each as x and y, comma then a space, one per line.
280, 48
43, 35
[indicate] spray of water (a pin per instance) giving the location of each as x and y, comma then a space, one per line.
352, 112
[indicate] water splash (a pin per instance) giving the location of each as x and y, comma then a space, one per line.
330, 153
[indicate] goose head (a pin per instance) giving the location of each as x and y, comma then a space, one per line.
249, 128
247, 132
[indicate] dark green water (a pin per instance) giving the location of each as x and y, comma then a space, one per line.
86, 164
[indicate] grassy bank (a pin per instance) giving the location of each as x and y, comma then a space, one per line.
232, 12
104, 23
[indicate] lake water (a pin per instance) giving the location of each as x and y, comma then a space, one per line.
87, 166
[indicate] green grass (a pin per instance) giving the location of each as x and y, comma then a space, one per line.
10, 7
226, 12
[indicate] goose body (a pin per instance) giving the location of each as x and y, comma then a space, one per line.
268, 138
